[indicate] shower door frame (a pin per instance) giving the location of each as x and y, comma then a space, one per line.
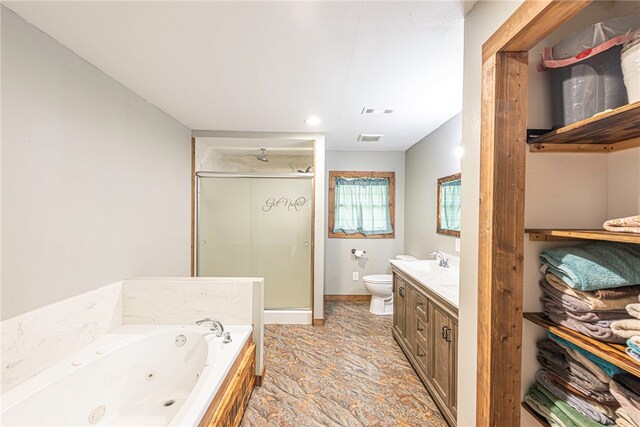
194, 216
265, 175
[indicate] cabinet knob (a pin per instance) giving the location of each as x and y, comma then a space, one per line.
420, 329
401, 291
420, 355
442, 332
419, 303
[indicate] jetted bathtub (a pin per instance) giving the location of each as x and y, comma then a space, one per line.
134, 376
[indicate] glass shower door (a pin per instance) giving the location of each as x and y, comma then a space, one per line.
258, 227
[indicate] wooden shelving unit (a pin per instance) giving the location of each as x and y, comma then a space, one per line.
612, 353
535, 415
613, 130
571, 234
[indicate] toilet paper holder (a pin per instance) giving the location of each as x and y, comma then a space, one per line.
353, 251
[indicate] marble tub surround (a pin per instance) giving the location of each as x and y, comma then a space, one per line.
348, 373
38, 339
443, 281
183, 300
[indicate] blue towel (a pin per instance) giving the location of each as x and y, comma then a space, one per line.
607, 367
594, 266
633, 349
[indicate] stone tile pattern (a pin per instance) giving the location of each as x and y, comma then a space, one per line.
38, 339
350, 372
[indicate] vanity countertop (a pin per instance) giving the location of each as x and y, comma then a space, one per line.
445, 282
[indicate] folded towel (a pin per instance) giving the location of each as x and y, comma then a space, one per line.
626, 328
603, 299
622, 415
622, 422
574, 415
554, 359
551, 304
601, 330
592, 266
609, 368
570, 399
634, 310
629, 403
632, 353
588, 364
629, 384
634, 343
630, 224
607, 408
546, 408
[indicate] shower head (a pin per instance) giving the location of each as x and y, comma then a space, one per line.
305, 171
262, 157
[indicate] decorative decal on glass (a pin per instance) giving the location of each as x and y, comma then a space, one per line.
285, 203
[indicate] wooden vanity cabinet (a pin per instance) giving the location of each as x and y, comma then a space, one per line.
426, 328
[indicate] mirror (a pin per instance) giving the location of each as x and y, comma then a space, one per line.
449, 205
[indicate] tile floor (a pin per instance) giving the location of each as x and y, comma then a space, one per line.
350, 372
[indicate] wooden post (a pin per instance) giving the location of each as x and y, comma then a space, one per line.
501, 238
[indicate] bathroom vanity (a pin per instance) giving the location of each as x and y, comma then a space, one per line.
425, 325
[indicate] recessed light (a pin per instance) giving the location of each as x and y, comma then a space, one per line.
370, 137
312, 121
366, 110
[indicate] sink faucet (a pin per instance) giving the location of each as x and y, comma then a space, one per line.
216, 326
442, 261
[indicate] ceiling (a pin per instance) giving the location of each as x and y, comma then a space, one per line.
266, 66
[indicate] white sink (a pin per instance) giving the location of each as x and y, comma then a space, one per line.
443, 281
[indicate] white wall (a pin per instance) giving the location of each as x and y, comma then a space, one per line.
339, 263
426, 161
95, 180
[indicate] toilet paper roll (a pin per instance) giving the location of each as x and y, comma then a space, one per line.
358, 254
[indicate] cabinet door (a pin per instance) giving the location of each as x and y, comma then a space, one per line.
410, 317
399, 306
441, 354
453, 398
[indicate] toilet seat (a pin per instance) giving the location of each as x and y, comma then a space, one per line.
381, 279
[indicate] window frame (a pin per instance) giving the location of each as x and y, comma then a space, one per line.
333, 175
439, 229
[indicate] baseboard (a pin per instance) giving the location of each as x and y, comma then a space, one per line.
287, 317
260, 378
347, 297
318, 322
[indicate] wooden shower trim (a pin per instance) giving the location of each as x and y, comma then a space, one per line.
502, 186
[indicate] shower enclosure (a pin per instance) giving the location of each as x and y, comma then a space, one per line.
258, 225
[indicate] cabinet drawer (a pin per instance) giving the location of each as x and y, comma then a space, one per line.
421, 356
422, 329
421, 306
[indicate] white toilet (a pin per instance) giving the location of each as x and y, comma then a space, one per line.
380, 288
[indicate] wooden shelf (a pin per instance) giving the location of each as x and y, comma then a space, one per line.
535, 415
612, 353
571, 234
614, 130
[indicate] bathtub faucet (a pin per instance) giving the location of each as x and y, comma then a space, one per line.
216, 326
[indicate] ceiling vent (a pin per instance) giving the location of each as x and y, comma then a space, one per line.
370, 137
366, 110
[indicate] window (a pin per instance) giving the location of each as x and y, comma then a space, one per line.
361, 205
